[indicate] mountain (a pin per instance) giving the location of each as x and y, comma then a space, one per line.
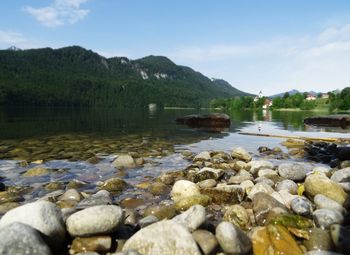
293, 92
76, 76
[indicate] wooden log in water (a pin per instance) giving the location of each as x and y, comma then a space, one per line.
318, 139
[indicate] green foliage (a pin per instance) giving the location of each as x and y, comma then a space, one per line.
340, 101
308, 105
74, 76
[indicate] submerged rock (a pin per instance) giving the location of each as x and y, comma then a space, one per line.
101, 244
124, 161
37, 171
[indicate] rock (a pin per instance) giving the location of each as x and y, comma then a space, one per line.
292, 221
232, 240
324, 218
171, 177
100, 219
36, 171
212, 120
342, 175
186, 202
223, 193
161, 211
4, 208
237, 215
19, 238
287, 197
158, 188
266, 171
289, 185
124, 161
102, 197
192, 218
242, 176
263, 204
209, 183
164, 237
130, 217
208, 173
301, 206
183, 188
321, 169
292, 171
101, 244
205, 240
247, 186
71, 194
265, 180
41, 215
322, 253
336, 120
203, 156
323, 202
54, 186
255, 165
113, 185
345, 164
239, 165
319, 239
149, 220
341, 238
260, 187
274, 239
320, 184
241, 154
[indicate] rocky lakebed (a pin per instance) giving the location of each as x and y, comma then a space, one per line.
274, 201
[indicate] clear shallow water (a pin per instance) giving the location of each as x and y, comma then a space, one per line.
66, 139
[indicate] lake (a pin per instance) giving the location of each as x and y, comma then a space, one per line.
68, 141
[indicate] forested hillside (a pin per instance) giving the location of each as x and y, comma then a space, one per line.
75, 76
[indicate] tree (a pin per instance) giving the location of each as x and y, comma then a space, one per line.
286, 95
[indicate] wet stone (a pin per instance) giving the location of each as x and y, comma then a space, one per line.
232, 240
161, 211
209, 183
148, 220
230, 194
191, 218
101, 219
186, 202
289, 185
124, 161
114, 185
37, 171
158, 188
102, 197
237, 215
301, 206
183, 188
324, 218
205, 240
241, 154
342, 175
323, 202
101, 244
292, 171
319, 239
19, 238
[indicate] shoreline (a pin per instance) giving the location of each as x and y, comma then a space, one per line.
216, 193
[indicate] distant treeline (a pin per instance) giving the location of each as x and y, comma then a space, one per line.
334, 101
74, 76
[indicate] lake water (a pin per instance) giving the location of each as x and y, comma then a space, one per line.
67, 140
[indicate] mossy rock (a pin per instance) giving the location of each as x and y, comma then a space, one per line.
36, 171
186, 202
161, 211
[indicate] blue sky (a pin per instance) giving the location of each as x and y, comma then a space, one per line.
269, 45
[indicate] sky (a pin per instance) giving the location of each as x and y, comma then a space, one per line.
271, 45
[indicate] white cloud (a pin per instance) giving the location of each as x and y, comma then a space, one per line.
61, 12
310, 62
12, 38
